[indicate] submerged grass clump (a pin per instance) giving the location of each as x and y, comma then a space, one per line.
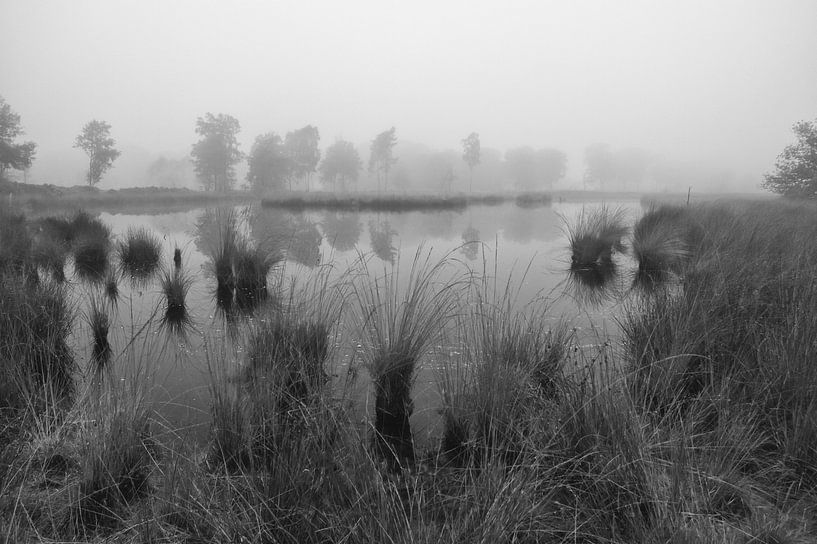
663, 243
139, 253
251, 266
595, 236
175, 286
99, 323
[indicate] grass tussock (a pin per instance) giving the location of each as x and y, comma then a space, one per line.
400, 322
664, 240
175, 286
139, 253
595, 236
99, 323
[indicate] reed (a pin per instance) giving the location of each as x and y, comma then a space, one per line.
139, 253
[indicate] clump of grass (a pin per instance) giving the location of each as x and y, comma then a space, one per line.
50, 256
83, 225
91, 259
223, 252
15, 242
35, 322
595, 236
175, 286
99, 323
177, 257
91, 245
251, 267
401, 323
117, 460
663, 243
139, 253
510, 366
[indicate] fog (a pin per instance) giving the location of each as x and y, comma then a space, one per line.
706, 87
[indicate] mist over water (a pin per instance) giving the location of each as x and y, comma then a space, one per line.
695, 94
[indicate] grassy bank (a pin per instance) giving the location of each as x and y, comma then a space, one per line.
699, 426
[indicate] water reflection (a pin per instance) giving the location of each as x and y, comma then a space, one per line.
593, 284
470, 243
380, 236
304, 245
342, 229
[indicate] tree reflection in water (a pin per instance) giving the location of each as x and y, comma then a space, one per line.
380, 236
470, 243
342, 230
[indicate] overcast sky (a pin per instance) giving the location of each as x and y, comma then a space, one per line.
708, 80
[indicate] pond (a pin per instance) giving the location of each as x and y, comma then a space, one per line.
527, 246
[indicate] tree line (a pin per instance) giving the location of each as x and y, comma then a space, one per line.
277, 163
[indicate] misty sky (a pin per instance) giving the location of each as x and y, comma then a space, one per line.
718, 81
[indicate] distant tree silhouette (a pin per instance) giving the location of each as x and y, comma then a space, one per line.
270, 166
216, 153
95, 139
341, 165
471, 155
302, 148
381, 159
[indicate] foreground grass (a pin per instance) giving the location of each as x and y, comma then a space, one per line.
700, 427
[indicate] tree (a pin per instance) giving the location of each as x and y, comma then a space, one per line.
17, 156
600, 166
271, 167
381, 160
521, 165
341, 165
216, 153
170, 172
95, 139
470, 154
551, 166
302, 148
796, 167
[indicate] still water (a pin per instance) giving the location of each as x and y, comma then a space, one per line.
526, 245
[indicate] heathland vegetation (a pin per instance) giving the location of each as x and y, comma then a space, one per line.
697, 423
